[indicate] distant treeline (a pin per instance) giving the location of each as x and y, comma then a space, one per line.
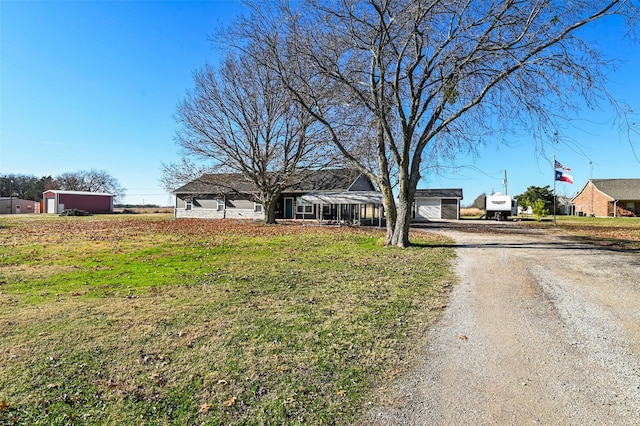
137, 206
30, 187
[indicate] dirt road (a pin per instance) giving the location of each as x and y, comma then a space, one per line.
540, 330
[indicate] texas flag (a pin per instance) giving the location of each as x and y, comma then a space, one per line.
563, 177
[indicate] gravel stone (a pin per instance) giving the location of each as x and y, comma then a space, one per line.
541, 329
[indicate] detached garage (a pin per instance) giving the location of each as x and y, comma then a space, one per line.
93, 202
432, 204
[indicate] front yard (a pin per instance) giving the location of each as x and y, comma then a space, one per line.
131, 319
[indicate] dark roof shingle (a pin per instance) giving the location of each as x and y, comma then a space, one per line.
619, 189
220, 183
439, 193
305, 181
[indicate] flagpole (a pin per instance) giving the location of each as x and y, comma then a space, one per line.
554, 190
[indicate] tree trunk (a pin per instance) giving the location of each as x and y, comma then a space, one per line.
400, 237
270, 213
269, 202
390, 212
391, 227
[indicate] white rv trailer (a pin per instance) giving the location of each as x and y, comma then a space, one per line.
500, 207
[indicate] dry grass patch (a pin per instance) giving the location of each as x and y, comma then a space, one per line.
621, 233
471, 212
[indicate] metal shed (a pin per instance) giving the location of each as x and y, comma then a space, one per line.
437, 204
56, 201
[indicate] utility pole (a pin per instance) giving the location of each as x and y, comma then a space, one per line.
555, 139
554, 190
505, 183
11, 196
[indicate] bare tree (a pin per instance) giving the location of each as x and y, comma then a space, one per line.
16, 185
433, 77
239, 119
91, 181
38, 187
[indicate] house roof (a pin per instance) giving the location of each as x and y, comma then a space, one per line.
326, 180
618, 189
220, 183
15, 199
439, 193
341, 197
305, 181
57, 191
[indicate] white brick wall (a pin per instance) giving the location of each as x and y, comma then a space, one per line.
199, 213
216, 214
245, 214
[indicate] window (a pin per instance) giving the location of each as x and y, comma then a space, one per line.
188, 204
257, 207
305, 209
220, 205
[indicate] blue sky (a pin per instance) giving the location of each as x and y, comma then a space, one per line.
95, 84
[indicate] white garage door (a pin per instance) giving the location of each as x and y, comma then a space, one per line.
428, 208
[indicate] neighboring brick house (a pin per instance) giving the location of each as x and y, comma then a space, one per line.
326, 195
609, 197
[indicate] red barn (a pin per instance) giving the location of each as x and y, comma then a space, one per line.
92, 202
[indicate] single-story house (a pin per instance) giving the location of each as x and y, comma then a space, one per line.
432, 204
608, 197
564, 206
13, 205
334, 195
56, 201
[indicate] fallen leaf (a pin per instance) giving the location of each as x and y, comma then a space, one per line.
205, 408
229, 402
462, 337
53, 385
3, 405
290, 400
342, 392
222, 382
393, 374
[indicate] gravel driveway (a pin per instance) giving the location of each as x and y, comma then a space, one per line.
540, 330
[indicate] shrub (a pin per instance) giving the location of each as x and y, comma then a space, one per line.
539, 210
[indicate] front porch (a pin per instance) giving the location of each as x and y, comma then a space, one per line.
358, 208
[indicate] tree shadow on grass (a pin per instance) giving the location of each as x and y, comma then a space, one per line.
566, 243
626, 246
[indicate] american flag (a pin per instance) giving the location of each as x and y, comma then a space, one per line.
558, 165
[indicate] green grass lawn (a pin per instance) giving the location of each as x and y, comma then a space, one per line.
143, 319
